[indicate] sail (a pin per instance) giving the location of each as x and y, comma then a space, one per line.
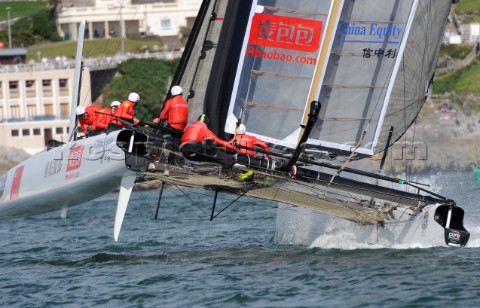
352, 56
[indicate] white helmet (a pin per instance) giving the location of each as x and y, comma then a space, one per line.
133, 97
241, 129
176, 90
115, 104
80, 110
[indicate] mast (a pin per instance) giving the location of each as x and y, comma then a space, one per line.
76, 81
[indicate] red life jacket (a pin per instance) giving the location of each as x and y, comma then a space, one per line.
175, 112
125, 111
244, 140
91, 112
199, 132
102, 119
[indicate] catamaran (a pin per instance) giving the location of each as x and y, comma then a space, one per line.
324, 83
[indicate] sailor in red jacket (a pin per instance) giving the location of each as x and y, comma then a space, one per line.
103, 118
87, 117
198, 139
126, 110
175, 110
249, 141
113, 106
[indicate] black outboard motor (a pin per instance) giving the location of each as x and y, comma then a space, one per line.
450, 217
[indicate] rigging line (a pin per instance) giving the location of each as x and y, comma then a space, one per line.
243, 194
188, 197
350, 157
110, 62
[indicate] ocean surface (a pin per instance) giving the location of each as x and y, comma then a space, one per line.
184, 260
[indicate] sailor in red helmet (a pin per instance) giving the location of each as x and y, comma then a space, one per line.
198, 139
126, 110
242, 140
175, 110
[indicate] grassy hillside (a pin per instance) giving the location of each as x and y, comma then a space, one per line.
93, 48
21, 8
463, 82
469, 10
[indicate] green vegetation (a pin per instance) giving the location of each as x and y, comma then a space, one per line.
462, 82
148, 77
455, 51
92, 48
35, 27
21, 8
470, 9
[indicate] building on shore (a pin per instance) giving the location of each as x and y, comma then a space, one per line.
35, 105
108, 18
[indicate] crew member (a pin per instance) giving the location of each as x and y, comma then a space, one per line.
198, 139
242, 140
175, 110
87, 118
126, 110
103, 118
113, 106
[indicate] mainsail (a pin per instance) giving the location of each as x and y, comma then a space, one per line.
369, 63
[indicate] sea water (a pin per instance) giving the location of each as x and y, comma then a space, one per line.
183, 259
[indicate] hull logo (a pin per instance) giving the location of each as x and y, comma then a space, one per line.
454, 236
75, 158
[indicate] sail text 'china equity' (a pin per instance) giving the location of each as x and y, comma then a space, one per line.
382, 32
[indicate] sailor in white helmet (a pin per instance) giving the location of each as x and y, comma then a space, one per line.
126, 110
175, 110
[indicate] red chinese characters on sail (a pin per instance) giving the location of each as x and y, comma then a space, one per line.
75, 158
285, 32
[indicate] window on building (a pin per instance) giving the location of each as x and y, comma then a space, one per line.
1, 89
15, 133
36, 131
31, 90
14, 90
1, 113
31, 111
63, 87
64, 110
26, 132
15, 111
58, 130
48, 109
47, 87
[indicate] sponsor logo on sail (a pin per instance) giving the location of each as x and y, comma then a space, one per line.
369, 33
285, 32
75, 158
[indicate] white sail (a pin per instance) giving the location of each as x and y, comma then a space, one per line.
352, 56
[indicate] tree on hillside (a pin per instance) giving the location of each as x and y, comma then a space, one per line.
149, 78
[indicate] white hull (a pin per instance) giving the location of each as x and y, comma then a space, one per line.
301, 226
64, 176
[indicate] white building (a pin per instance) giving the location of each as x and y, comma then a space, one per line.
35, 104
107, 18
